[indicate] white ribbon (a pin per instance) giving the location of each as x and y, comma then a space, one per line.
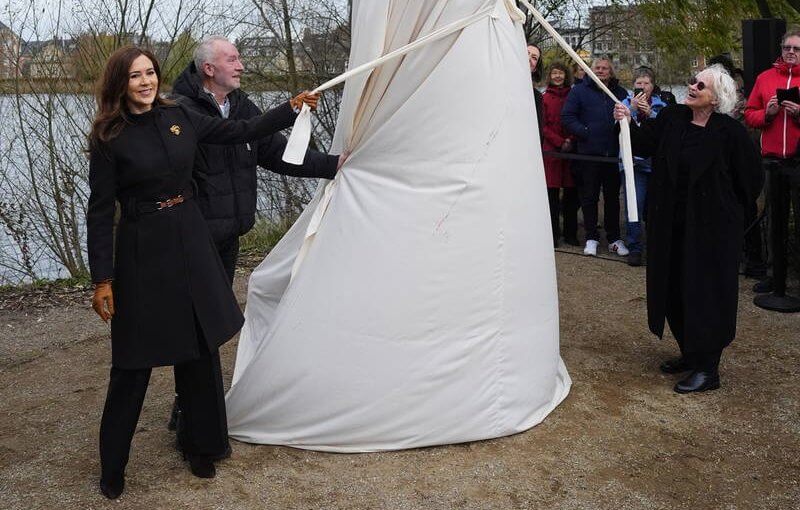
625, 129
295, 151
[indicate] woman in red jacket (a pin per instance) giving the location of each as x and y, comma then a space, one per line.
557, 170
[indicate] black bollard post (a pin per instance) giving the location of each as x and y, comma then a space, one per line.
779, 228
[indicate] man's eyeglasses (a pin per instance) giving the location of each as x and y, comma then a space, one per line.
788, 47
694, 81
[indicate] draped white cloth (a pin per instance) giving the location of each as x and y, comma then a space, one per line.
425, 309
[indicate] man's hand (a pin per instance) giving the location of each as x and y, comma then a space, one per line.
103, 300
792, 108
773, 107
342, 158
304, 97
567, 145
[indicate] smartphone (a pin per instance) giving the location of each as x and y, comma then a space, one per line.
636, 92
792, 94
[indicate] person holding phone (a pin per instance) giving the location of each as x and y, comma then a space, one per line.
643, 104
774, 108
778, 120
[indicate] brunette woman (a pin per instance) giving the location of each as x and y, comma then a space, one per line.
557, 170
159, 279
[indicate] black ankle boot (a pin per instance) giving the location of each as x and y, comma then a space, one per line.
201, 467
676, 366
699, 380
113, 486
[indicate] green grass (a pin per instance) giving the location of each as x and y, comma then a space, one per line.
263, 237
43, 284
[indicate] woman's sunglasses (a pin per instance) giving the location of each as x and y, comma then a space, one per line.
694, 81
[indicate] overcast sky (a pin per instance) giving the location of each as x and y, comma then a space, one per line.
43, 19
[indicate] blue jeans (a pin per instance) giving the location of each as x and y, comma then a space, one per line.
635, 228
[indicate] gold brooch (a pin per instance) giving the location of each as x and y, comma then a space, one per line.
175, 129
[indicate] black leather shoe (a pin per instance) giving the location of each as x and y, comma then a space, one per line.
634, 259
572, 241
201, 467
173, 416
112, 489
699, 380
675, 366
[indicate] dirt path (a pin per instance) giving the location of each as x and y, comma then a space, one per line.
622, 439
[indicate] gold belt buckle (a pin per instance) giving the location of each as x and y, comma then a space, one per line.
170, 202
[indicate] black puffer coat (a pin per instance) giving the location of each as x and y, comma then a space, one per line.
226, 174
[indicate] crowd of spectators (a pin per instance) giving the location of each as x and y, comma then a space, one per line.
576, 120
698, 177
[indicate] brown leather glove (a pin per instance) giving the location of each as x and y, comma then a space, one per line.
304, 97
103, 300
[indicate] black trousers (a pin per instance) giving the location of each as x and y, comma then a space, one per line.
564, 201
591, 178
755, 265
676, 309
229, 252
202, 399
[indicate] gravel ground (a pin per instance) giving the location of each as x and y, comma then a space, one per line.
622, 439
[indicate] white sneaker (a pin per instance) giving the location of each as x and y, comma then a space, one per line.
591, 248
619, 248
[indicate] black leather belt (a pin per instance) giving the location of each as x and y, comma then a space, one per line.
134, 207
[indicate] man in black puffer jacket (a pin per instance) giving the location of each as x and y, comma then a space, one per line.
226, 174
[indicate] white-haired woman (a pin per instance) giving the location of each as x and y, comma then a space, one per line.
705, 172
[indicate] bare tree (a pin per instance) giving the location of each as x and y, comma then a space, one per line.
46, 116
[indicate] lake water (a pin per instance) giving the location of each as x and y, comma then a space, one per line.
39, 151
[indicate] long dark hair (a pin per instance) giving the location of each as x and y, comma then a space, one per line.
111, 94
561, 67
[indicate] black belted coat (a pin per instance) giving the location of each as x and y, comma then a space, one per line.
167, 275
726, 176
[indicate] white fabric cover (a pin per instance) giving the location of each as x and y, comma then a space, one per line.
425, 310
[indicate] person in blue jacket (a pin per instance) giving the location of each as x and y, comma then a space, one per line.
586, 116
643, 104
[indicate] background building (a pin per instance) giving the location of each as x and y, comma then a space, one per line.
10, 50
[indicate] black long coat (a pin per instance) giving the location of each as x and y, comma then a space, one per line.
165, 267
725, 178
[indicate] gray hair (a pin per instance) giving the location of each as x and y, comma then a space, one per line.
724, 88
791, 33
606, 58
204, 52
642, 72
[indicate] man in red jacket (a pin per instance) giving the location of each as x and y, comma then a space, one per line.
779, 122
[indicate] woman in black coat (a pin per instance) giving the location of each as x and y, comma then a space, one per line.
705, 173
162, 283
